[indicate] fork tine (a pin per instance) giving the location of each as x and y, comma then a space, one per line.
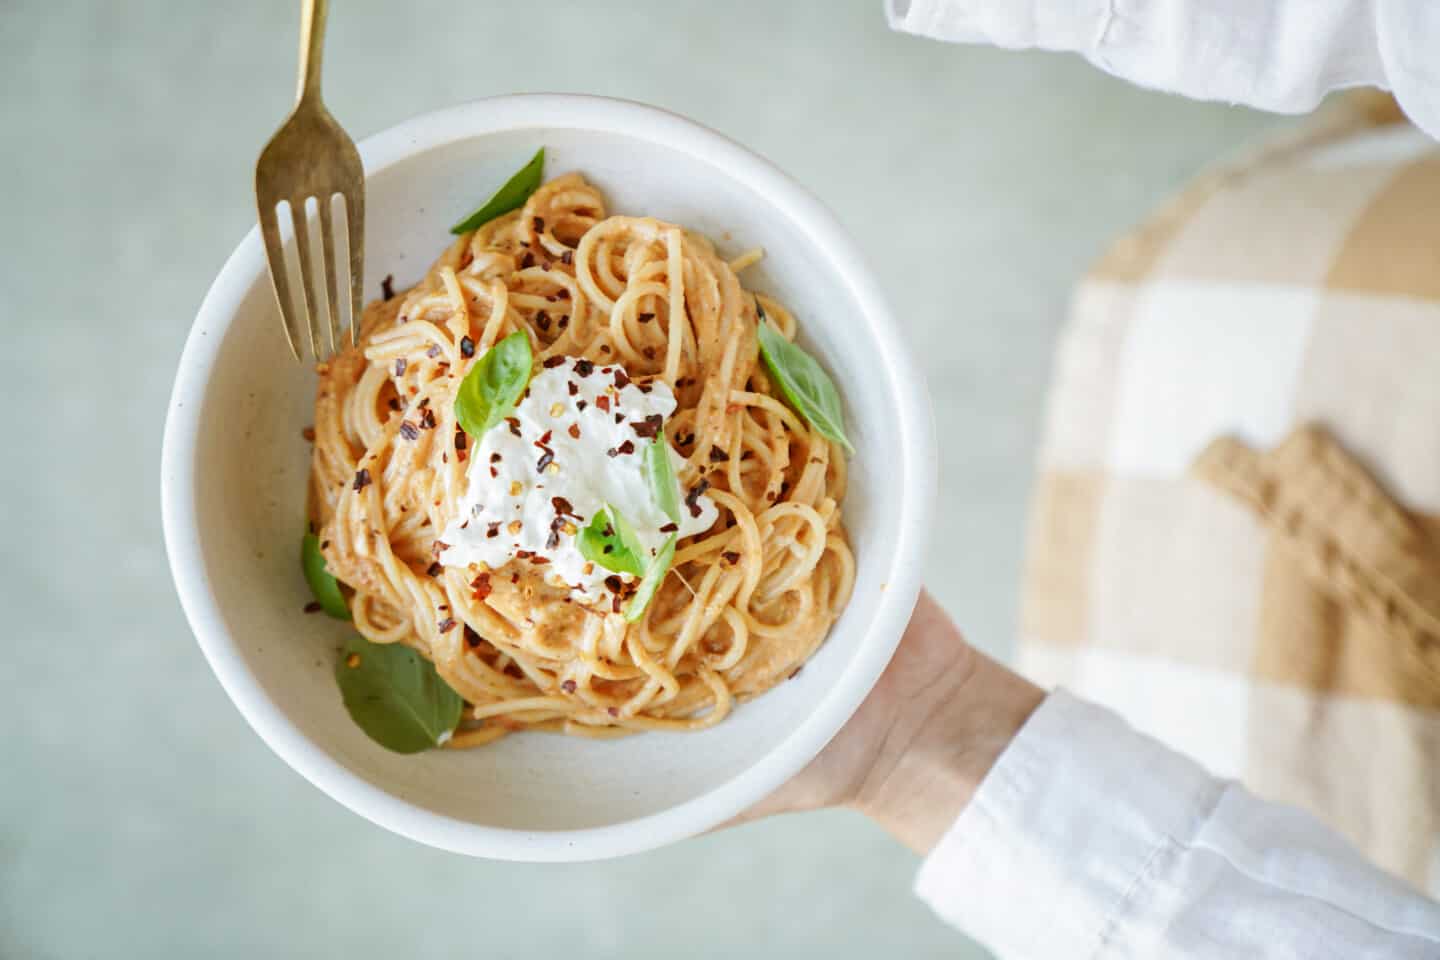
307, 272
327, 249
355, 230
275, 254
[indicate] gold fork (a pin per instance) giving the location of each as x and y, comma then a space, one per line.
311, 156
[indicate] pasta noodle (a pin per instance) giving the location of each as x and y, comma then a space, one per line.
745, 603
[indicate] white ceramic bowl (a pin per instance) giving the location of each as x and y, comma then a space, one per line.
233, 481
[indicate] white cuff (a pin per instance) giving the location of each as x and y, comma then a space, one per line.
1014, 24
1063, 831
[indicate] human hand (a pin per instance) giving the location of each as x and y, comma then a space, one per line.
916, 750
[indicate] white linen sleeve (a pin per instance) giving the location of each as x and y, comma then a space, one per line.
1090, 840
1280, 55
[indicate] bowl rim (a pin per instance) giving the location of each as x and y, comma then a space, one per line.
913, 423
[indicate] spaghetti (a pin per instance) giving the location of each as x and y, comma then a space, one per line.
745, 603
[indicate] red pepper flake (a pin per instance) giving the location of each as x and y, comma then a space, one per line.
527, 261
568, 257
434, 350
460, 438
627, 447
544, 439
539, 224
604, 348
603, 402
551, 362
731, 557
495, 457
309, 434
466, 259
692, 499
619, 418
313, 606
796, 672
546, 458
645, 317
581, 404
563, 293
522, 554
612, 583
649, 427
492, 530
584, 367
563, 507
514, 424
571, 388
394, 403
538, 560
613, 711
649, 353
362, 479
514, 578
542, 320
439, 547
387, 287
467, 347
494, 473
446, 625
670, 528
568, 686
574, 431
427, 419
424, 402
409, 431
717, 455
481, 585
622, 379
685, 441
562, 323
472, 639
434, 569
553, 540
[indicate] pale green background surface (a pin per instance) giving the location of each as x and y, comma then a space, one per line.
139, 816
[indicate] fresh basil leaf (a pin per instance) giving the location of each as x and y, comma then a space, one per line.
654, 576
395, 695
804, 382
494, 385
322, 583
511, 196
661, 474
611, 542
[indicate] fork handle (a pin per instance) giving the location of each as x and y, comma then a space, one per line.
312, 46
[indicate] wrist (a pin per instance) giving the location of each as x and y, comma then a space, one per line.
954, 711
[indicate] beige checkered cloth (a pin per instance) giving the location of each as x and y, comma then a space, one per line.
1263, 596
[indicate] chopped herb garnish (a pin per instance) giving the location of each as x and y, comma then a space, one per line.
610, 541
660, 472
654, 576
395, 695
511, 196
493, 386
803, 382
